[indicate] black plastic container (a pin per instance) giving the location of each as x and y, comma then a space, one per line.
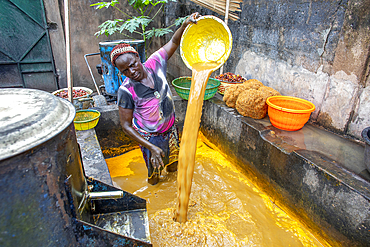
366, 136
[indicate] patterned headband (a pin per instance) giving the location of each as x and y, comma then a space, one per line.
120, 49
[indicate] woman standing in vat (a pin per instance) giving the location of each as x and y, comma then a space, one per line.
146, 106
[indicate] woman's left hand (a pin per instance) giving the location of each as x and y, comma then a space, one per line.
172, 45
192, 19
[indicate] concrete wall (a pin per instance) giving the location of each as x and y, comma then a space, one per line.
316, 50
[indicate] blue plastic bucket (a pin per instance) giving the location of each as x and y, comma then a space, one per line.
110, 73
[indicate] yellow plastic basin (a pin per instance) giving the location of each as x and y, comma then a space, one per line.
86, 119
209, 40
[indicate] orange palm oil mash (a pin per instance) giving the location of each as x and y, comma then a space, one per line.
225, 208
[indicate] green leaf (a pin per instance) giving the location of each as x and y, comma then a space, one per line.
101, 5
141, 4
154, 3
130, 25
98, 33
157, 32
180, 20
162, 31
137, 4
150, 33
134, 23
143, 20
109, 27
109, 23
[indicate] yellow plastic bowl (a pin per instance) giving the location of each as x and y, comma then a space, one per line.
86, 119
209, 40
289, 113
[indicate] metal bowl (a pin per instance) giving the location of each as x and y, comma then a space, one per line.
78, 102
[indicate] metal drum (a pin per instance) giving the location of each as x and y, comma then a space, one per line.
38, 155
110, 73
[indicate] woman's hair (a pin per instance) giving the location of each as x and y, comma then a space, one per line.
120, 49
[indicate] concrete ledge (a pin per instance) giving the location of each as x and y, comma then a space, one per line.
109, 117
332, 201
92, 157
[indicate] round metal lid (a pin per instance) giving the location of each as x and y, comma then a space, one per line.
29, 117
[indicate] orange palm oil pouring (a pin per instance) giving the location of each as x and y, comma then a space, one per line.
200, 74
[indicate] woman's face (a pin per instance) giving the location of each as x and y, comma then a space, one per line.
129, 64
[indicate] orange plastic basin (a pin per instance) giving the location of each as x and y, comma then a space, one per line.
289, 113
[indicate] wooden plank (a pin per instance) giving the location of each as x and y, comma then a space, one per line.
217, 7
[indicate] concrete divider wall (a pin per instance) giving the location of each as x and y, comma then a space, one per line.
330, 201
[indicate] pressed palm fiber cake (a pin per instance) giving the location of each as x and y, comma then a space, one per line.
232, 93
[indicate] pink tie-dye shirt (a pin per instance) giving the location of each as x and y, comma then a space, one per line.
153, 113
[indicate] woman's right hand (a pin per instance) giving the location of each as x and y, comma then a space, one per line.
156, 157
126, 122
